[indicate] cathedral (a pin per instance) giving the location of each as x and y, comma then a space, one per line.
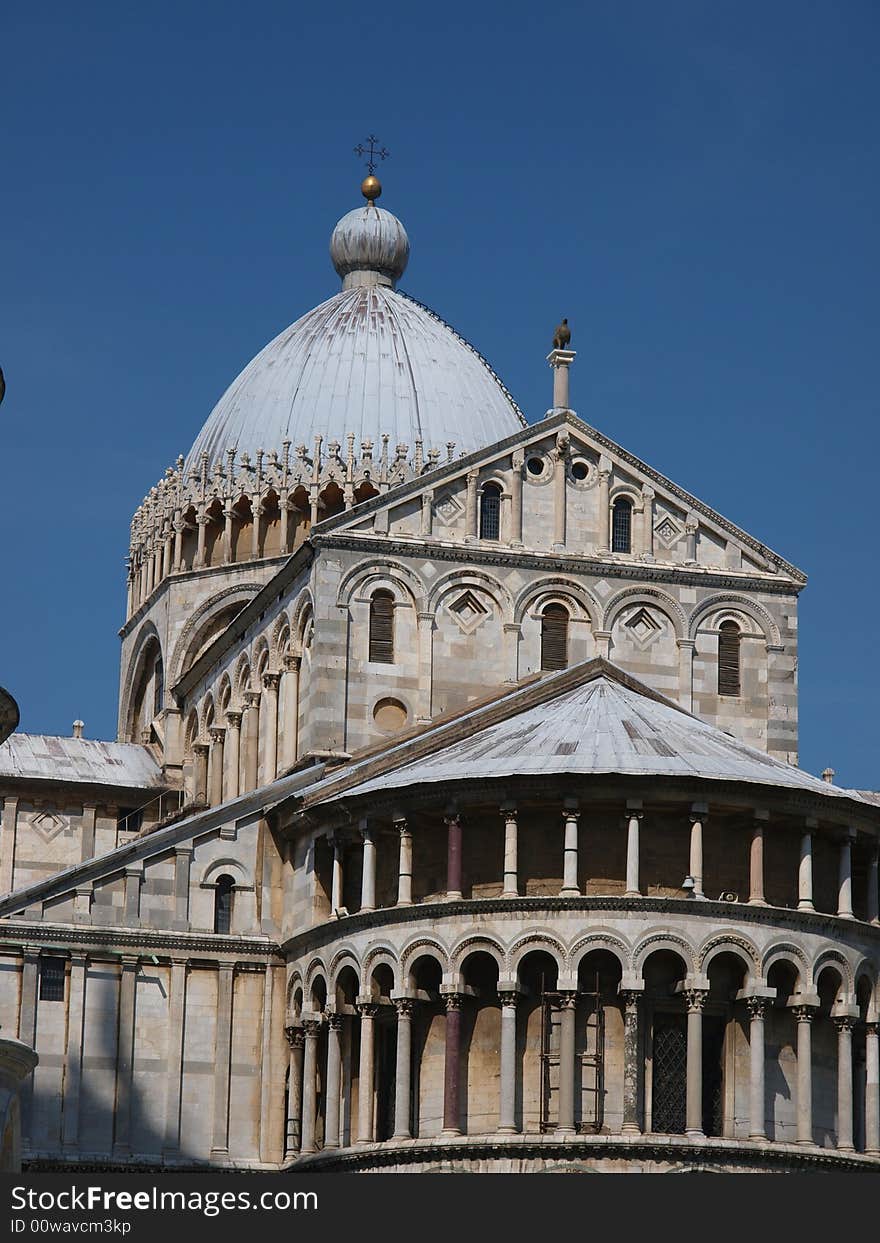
454, 820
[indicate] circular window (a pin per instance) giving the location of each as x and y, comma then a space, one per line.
535, 466
579, 470
390, 716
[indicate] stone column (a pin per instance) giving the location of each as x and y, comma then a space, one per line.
757, 1007
570, 857
296, 1039
177, 554
404, 867
512, 632
516, 485
174, 1080
223, 1056
560, 361
696, 999
560, 459
125, 1057
201, 522
233, 753
200, 772
686, 672
425, 622
7, 843
368, 875
89, 816
804, 1015
73, 1053
631, 1062
337, 879
312, 1029
228, 519
805, 873
632, 854
470, 506
696, 858
844, 877
217, 734
291, 710
507, 1105
251, 740
366, 1072
756, 860
510, 888
426, 514
691, 531
604, 502
453, 856
403, 1069
872, 1088
270, 746
647, 540
334, 1080
451, 1067
844, 1024
874, 887
27, 1028
567, 1006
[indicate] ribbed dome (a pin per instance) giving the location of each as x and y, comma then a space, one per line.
369, 243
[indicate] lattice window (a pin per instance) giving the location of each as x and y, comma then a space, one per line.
490, 512
51, 979
554, 637
621, 525
669, 1079
729, 636
223, 903
382, 627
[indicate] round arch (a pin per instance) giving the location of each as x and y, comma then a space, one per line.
737, 604
206, 624
388, 572
651, 597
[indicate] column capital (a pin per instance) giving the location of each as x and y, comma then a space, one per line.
508, 812
453, 1001
234, 719
631, 996
271, 681
251, 699
368, 1009
312, 1027
567, 1000
200, 748
401, 824
509, 997
570, 813
296, 1036
804, 1012
453, 817
217, 733
335, 1021
872, 1027
756, 1006
696, 999
292, 663
844, 1022
404, 1006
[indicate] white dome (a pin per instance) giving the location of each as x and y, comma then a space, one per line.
369, 244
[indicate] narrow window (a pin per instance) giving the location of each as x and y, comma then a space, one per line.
382, 627
51, 979
490, 512
621, 525
554, 637
728, 658
158, 686
223, 903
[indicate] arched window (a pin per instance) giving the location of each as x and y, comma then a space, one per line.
382, 627
621, 525
554, 637
490, 512
223, 903
729, 636
158, 686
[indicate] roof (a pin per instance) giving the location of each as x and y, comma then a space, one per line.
606, 724
46, 757
370, 361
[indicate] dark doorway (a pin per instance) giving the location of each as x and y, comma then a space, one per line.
669, 1076
713, 1073
386, 1076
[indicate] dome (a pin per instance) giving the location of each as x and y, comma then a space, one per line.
370, 361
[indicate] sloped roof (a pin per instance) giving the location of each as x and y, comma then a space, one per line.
46, 757
607, 724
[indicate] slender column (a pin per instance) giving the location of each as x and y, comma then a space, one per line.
452, 1068
174, 1080
844, 1025
510, 888
366, 1072
696, 860
631, 1062
516, 486
312, 1029
604, 502
403, 1069
570, 857
696, 999
200, 772
804, 1015
427, 513
334, 1080
632, 854
201, 522
512, 632
647, 540
686, 672
470, 506
27, 1029
217, 734
291, 711
872, 1088
73, 1053
7, 843
453, 856
177, 555
559, 491
691, 531
125, 1057
805, 874
756, 861
844, 878
270, 746
567, 1006
404, 867
336, 885
296, 1039
233, 753
425, 622
757, 1007
507, 1104
368, 876
228, 519
874, 887
256, 515
251, 740
223, 1056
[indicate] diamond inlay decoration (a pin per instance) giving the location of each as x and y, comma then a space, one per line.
48, 824
667, 531
468, 611
643, 628
446, 507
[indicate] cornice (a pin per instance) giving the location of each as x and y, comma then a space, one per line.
145, 941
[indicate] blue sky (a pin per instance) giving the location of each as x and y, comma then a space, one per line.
695, 185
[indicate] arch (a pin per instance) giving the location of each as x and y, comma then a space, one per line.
473, 945
279, 636
785, 951
599, 940
243, 878
294, 981
379, 955
207, 622
584, 605
224, 694
300, 615
662, 940
147, 637
422, 946
315, 970
730, 943
206, 714
867, 971
191, 733
242, 677
834, 958
477, 579
539, 939
345, 956
390, 572
651, 597
729, 600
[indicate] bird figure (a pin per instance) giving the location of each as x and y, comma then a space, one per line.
2, 385
562, 336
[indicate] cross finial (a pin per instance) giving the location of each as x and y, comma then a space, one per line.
373, 152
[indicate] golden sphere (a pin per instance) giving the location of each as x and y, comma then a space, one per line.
371, 188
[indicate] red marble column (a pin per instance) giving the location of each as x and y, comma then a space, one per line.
453, 857
452, 1073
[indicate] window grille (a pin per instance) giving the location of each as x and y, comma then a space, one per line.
52, 979
490, 512
382, 628
621, 526
554, 637
669, 1079
728, 658
223, 903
